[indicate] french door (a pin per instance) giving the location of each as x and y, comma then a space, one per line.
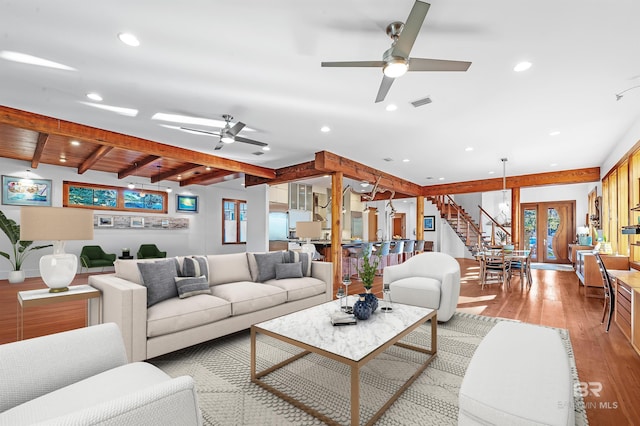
548, 230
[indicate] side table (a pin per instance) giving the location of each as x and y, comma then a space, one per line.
42, 297
125, 257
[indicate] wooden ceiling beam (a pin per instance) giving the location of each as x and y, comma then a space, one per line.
43, 138
54, 126
211, 178
564, 177
174, 172
328, 162
137, 165
287, 174
93, 158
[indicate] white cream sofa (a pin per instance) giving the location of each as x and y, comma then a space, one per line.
81, 377
430, 280
237, 301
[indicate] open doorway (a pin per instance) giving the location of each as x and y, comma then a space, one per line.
399, 225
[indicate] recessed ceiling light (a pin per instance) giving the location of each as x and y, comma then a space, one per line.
129, 39
207, 168
94, 96
169, 190
554, 133
23, 58
440, 178
63, 160
491, 172
266, 148
326, 176
405, 160
75, 143
553, 164
469, 148
325, 129
391, 107
129, 112
522, 66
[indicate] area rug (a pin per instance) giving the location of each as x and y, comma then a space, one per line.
552, 267
227, 396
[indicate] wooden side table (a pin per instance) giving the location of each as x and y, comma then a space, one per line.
42, 297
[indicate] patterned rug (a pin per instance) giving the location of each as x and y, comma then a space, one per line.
227, 396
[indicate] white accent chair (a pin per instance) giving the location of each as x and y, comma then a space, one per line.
81, 377
430, 280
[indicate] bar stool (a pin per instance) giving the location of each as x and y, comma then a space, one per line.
419, 247
408, 249
385, 247
396, 251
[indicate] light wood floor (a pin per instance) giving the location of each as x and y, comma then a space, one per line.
555, 299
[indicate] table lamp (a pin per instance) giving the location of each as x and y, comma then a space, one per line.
56, 224
309, 230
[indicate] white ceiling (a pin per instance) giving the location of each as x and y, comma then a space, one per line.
260, 61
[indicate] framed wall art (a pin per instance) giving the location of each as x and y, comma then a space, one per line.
137, 222
26, 192
105, 197
429, 223
105, 221
186, 203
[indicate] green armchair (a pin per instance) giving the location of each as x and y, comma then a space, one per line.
95, 257
150, 251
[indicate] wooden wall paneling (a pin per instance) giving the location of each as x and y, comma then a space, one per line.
634, 200
612, 235
605, 212
623, 207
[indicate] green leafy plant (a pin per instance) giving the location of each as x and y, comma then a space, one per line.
21, 249
369, 267
502, 236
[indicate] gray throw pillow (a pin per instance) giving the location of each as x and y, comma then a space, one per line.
296, 256
158, 277
195, 266
190, 286
267, 265
288, 270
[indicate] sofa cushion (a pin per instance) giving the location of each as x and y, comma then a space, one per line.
299, 288
288, 270
172, 315
228, 268
295, 256
253, 266
89, 392
127, 269
267, 264
158, 277
247, 296
195, 266
190, 286
416, 291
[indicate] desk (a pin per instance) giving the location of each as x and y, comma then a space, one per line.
42, 297
588, 271
627, 310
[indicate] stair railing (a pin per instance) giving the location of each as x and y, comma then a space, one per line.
494, 225
459, 219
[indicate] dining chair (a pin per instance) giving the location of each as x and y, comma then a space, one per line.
497, 266
519, 261
609, 293
396, 251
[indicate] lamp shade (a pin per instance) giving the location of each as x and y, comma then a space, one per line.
308, 229
56, 224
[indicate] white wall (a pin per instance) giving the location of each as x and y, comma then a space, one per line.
204, 235
578, 192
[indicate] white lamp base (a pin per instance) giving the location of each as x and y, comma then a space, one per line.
58, 269
309, 248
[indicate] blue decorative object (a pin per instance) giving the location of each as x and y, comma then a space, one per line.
372, 300
362, 309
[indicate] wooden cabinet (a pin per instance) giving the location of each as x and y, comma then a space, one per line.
623, 307
573, 250
627, 310
587, 267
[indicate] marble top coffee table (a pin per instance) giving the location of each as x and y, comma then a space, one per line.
353, 345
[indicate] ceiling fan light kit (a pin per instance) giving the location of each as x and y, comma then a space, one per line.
396, 61
228, 134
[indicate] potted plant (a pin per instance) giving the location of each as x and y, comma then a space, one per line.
370, 262
21, 249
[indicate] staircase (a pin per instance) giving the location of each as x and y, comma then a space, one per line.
469, 232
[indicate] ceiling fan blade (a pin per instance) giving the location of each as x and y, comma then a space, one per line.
219, 146
423, 64
353, 64
188, 129
384, 88
236, 128
250, 141
411, 29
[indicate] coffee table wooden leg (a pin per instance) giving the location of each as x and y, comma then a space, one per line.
253, 354
355, 395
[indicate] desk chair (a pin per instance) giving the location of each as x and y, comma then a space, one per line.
609, 293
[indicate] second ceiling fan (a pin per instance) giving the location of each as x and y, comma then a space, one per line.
228, 134
396, 61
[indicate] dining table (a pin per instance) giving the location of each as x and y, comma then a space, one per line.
516, 258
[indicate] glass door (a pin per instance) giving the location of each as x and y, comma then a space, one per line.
548, 230
530, 229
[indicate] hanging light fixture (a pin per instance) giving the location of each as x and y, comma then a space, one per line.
504, 205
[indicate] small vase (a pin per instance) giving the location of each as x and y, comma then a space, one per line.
371, 299
16, 277
362, 309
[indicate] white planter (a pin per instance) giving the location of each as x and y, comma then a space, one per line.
16, 277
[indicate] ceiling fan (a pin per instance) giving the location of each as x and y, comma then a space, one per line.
396, 61
228, 134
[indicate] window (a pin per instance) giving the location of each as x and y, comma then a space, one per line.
234, 221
